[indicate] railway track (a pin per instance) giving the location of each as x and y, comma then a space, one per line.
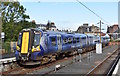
102, 67
22, 70
89, 73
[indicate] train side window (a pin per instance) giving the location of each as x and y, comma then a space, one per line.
83, 38
77, 40
69, 40
53, 41
65, 41
74, 40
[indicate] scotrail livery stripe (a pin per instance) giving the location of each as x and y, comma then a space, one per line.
25, 42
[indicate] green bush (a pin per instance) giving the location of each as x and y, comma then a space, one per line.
6, 46
114, 40
117, 40
111, 40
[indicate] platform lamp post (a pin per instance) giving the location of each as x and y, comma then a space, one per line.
99, 45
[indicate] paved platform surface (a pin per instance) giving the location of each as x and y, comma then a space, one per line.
83, 67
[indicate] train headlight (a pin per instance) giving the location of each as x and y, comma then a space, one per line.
18, 48
36, 49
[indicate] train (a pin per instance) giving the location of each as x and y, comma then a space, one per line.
34, 44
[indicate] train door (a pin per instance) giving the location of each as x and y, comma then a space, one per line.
86, 40
81, 42
59, 42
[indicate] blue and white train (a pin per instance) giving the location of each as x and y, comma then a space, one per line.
34, 44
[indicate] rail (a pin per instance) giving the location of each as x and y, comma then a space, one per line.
91, 71
113, 66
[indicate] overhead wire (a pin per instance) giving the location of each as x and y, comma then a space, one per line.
93, 12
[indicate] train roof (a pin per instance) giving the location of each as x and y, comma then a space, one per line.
81, 35
66, 35
90, 35
96, 36
53, 32
106, 36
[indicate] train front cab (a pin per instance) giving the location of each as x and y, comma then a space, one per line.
28, 47
23, 45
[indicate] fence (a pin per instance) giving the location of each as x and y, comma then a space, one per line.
8, 47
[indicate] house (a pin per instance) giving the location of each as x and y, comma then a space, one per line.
49, 26
113, 29
41, 26
87, 29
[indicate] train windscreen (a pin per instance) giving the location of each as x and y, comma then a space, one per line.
36, 39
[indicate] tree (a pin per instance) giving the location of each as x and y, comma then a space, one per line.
14, 20
13, 12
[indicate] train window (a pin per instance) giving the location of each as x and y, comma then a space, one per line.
69, 40
90, 37
104, 38
36, 39
53, 41
96, 41
65, 41
74, 40
77, 39
83, 38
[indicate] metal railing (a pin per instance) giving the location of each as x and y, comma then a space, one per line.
8, 47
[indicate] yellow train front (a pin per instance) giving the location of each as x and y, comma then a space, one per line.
28, 45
